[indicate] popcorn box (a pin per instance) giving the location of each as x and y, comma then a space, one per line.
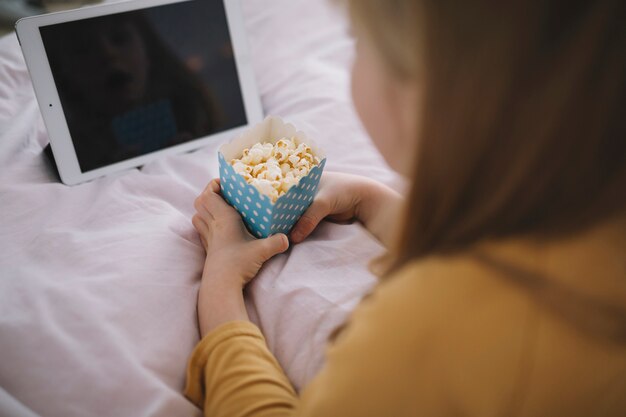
262, 217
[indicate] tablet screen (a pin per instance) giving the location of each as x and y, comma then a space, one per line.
136, 82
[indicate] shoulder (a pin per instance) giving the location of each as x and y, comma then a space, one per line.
455, 290
450, 326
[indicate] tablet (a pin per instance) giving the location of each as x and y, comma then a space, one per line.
121, 84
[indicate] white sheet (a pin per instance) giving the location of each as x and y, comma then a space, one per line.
98, 282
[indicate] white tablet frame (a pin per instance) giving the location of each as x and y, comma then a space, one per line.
47, 95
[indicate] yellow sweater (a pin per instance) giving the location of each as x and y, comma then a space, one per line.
452, 336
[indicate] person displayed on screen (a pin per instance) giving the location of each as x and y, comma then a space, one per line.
503, 292
123, 91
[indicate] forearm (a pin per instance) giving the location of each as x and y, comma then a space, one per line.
232, 373
219, 304
379, 210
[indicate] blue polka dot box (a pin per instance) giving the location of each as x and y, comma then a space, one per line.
262, 217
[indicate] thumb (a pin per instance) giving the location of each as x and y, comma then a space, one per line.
309, 220
272, 245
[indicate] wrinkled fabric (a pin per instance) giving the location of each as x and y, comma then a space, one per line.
98, 282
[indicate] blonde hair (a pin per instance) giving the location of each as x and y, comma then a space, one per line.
522, 128
388, 25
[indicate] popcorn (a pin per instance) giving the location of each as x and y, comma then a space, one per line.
274, 168
270, 175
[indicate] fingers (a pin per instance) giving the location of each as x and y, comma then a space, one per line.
210, 203
200, 203
309, 220
202, 228
272, 245
211, 207
202, 210
213, 185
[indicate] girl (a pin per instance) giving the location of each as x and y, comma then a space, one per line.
504, 292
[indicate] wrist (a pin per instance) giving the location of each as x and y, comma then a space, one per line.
219, 302
373, 197
222, 274
379, 209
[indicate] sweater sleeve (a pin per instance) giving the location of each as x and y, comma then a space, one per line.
232, 373
369, 371
416, 346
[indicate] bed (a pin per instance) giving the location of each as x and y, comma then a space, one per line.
98, 282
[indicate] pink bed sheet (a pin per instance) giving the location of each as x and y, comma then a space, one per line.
98, 282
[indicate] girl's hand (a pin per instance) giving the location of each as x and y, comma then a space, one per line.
233, 258
345, 197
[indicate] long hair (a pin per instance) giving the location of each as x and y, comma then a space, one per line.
523, 127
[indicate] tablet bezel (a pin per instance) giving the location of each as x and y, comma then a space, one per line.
47, 95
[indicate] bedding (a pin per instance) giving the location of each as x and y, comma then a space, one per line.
98, 282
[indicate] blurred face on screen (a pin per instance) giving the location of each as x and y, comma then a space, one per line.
109, 59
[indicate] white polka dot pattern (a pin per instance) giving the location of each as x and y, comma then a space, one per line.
262, 218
